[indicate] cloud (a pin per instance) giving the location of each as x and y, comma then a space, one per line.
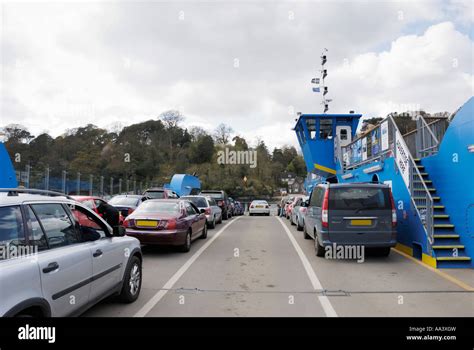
245, 64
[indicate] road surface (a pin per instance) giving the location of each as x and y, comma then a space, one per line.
262, 266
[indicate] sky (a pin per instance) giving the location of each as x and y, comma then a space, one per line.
247, 64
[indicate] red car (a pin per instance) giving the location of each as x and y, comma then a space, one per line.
174, 222
289, 207
92, 202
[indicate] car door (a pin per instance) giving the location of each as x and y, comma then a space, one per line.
65, 263
312, 214
107, 253
193, 217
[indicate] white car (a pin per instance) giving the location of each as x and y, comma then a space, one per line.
58, 258
212, 210
259, 207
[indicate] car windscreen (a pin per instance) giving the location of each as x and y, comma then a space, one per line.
130, 201
216, 195
359, 198
155, 194
260, 202
158, 207
199, 202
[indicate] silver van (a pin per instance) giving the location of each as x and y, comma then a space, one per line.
358, 214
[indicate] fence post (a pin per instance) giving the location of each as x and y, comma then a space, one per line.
78, 184
120, 186
111, 186
27, 179
134, 186
101, 189
64, 181
91, 179
127, 185
46, 179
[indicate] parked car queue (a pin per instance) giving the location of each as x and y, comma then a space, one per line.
86, 249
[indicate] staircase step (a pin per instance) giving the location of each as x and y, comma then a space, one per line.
435, 198
441, 216
436, 207
420, 166
432, 189
458, 246
443, 226
416, 159
424, 174
447, 236
425, 181
453, 258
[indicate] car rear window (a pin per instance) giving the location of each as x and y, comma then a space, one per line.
124, 201
155, 194
199, 202
158, 207
359, 198
216, 195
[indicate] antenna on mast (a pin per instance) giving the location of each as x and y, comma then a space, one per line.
321, 82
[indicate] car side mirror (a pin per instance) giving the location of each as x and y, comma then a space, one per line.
144, 199
202, 211
119, 231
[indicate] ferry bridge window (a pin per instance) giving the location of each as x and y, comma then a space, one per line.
325, 129
311, 125
343, 134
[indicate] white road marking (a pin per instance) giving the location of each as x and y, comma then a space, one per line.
324, 300
168, 285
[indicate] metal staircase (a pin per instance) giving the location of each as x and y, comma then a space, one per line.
445, 243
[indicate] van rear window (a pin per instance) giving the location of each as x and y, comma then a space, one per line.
359, 198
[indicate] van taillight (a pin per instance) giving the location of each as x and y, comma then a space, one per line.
394, 211
208, 211
130, 210
324, 212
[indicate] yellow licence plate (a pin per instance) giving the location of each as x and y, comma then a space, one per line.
259, 206
147, 223
361, 222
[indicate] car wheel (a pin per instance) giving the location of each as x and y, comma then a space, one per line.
132, 281
204, 231
186, 247
291, 221
384, 251
298, 226
213, 223
305, 234
318, 247
225, 216
220, 219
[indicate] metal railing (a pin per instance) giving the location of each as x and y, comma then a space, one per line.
419, 193
76, 183
425, 139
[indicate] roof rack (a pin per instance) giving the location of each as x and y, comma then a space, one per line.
16, 191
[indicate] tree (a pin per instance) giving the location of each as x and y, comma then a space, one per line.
171, 118
222, 134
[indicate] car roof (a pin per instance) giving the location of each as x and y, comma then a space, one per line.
128, 195
358, 184
79, 198
169, 200
6, 200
